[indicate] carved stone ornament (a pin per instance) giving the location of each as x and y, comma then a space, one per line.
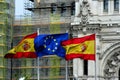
84, 12
112, 65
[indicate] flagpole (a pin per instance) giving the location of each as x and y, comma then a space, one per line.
11, 59
38, 72
95, 71
66, 66
66, 70
11, 68
95, 59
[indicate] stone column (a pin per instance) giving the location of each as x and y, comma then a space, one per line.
110, 6
77, 68
119, 6
98, 52
91, 69
100, 10
77, 7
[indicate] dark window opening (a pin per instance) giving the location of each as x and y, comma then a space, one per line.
105, 5
53, 8
119, 74
116, 5
63, 8
85, 67
73, 8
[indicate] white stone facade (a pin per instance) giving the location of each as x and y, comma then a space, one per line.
90, 17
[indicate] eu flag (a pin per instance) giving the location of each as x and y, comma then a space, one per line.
50, 44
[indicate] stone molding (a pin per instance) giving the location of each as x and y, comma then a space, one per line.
76, 0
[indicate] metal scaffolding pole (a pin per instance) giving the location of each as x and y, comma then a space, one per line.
38, 64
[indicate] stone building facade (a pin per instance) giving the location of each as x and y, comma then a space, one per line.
101, 17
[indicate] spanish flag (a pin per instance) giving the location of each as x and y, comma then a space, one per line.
10, 53
25, 48
83, 47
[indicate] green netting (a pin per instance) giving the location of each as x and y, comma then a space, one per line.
55, 23
55, 61
1, 39
28, 74
54, 72
1, 62
28, 62
5, 30
1, 72
1, 49
2, 28
2, 17
23, 62
3, 7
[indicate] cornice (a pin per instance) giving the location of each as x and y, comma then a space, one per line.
76, 0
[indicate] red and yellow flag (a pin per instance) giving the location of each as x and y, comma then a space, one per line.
83, 47
10, 53
25, 48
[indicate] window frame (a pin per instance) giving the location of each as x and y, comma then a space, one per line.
63, 9
105, 5
116, 5
73, 8
53, 8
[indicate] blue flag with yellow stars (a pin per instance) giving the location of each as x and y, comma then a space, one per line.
50, 44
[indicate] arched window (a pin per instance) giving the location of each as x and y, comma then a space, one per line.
116, 5
105, 5
53, 8
73, 8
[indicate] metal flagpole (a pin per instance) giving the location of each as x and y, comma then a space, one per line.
95, 71
95, 59
11, 59
66, 70
66, 66
11, 68
38, 68
38, 72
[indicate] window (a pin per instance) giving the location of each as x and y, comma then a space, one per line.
119, 74
63, 9
116, 5
85, 67
53, 8
73, 8
105, 5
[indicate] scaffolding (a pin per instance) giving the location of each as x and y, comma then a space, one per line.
40, 16
48, 65
41, 20
6, 21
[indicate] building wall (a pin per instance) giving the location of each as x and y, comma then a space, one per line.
104, 22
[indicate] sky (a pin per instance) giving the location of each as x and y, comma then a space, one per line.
19, 7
